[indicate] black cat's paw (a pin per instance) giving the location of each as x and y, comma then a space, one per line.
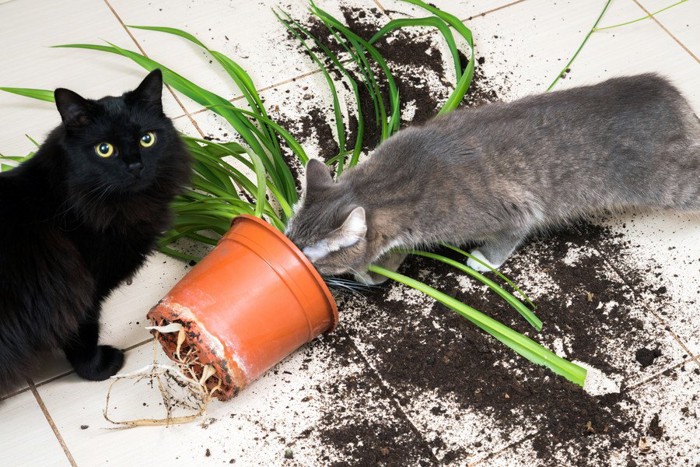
105, 362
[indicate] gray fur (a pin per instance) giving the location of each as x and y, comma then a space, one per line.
496, 173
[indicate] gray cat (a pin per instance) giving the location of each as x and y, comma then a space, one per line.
496, 173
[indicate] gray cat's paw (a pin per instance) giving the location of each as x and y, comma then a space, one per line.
478, 266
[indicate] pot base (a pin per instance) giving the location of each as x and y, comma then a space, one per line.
198, 349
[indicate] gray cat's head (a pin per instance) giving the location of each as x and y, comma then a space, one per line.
328, 226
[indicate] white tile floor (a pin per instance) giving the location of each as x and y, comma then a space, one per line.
56, 419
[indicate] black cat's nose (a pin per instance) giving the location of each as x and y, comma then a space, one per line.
135, 168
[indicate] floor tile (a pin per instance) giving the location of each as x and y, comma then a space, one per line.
681, 21
462, 9
666, 247
259, 43
305, 407
641, 47
523, 47
666, 430
29, 30
26, 438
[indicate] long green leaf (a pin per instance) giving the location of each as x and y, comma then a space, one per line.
40, 94
340, 127
463, 83
521, 344
493, 270
359, 137
510, 299
433, 21
360, 44
234, 70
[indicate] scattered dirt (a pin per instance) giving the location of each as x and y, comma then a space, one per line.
361, 428
654, 429
646, 357
587, 312
420, 350
417, 65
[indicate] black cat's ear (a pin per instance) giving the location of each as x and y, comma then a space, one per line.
74, 109
317, 175
151, 89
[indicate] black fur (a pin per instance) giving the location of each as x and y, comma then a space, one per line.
74, 225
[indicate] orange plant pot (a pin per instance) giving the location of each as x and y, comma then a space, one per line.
248, 304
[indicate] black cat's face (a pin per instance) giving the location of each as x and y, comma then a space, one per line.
117, 145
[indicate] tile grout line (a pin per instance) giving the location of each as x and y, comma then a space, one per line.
381, 7
495, 454
260, 91
15, 393
393, 399
493, 10
658, 375
313, 72
653, 18
45, 411
645, 305
177, 99
70, 372
636, 294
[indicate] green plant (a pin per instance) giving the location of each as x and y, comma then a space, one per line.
595, 28
222, 190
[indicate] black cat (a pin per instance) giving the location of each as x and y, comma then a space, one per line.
78, 219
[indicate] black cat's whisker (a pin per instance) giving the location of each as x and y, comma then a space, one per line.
71, 202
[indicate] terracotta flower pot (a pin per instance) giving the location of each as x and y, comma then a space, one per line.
247, 305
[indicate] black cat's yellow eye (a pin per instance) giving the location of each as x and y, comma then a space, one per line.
148, 139
104, 150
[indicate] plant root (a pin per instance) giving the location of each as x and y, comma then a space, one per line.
199, 382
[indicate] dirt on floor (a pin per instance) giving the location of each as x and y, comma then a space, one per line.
421, 351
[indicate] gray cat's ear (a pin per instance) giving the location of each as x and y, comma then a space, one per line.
150, 90
317, 175
354, 228
74, 109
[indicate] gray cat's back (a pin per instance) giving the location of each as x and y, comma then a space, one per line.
626, 141
494, 174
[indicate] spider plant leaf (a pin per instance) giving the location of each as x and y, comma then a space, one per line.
359, 137
534, 321
260, 174
463, 83
360, 44
340, 127
493, 270
521, 344
40, 94
433, 21
357, 54
233, 69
